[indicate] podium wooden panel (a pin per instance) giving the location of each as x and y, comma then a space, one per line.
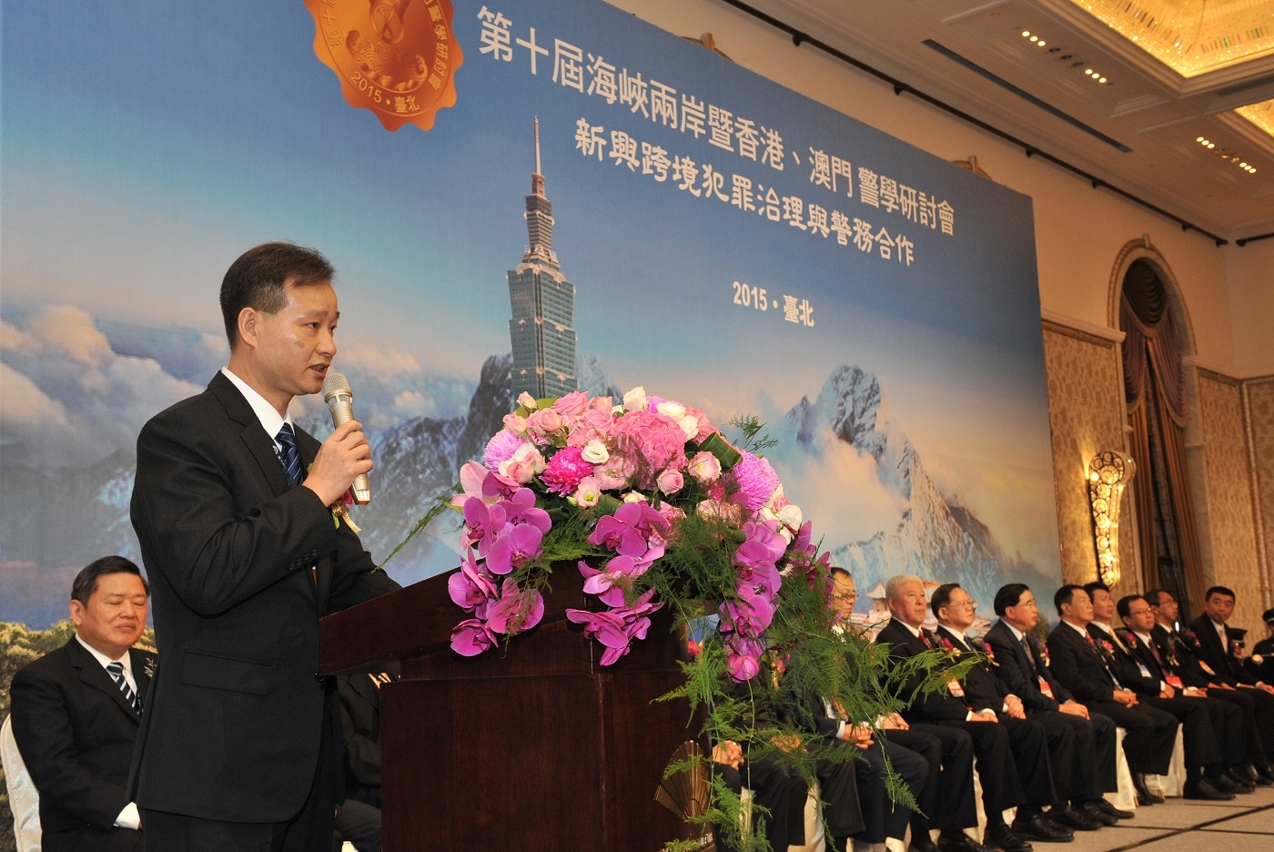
539, 747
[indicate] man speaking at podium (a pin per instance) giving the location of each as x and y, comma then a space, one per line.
240, 748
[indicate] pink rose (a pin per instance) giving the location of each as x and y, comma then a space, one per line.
515, 424
546, 422
527, 401
572, 405
705, 468
670, 481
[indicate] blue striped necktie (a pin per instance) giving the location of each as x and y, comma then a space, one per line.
117, 673
289, 455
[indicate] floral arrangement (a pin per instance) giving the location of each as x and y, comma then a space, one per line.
656, 507
621, 479
990, 653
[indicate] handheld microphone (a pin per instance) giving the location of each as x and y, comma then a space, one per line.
340, 401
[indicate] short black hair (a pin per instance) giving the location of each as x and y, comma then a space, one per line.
1220, 590
1094, 586
1064, 595
836, 569
1009, 595
1153, 596
86, 581
257, 278
942, 596
1125, 604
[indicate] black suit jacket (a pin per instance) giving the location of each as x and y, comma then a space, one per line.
237, 707
1207, 646
76, 733
1079, 666
982, 689
1018, 671
939, 705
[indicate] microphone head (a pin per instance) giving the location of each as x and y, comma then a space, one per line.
335, 384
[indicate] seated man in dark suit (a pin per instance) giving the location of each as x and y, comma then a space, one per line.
1261, 660
1028, 738
358, 818
946, 797
1081, 665
1208, 728
76, 712
1081, 745
1216, 651
1002, 783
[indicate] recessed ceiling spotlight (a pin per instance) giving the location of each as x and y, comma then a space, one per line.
1035, 38
1026, 33
1040, 43
1211, 145
1088, 72
1198, 139
1102, 80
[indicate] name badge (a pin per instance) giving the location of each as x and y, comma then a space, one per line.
1145, 672
1174, 682
954, 687
1046, 689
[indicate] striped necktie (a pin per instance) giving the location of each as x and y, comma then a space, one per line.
289, 455
117, 672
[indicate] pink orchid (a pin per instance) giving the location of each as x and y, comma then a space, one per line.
516, 610
472, 475
743, 658
471, 637
750, 615
482, 523
514, 546
472, 585
520, 509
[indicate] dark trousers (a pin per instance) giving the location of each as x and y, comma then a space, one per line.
359, 823
1150, 733
780, 792
310, 830
883, 817
91, 839
1028, 741
1081, 752
946, 800
1255, 707
1001, 786
1199, 728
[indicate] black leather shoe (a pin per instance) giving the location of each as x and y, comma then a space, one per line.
1262, 776
1040, 828
1110, 810
922, 844
1206, 790
1092, 810
1001, 837
961, 843
1145, 798
1229, 784
1068, 817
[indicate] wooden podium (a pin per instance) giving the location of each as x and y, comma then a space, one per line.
538, 748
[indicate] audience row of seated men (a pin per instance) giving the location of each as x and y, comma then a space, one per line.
76, 712
1039, 715
1040, 718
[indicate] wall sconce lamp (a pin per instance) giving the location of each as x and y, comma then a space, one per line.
1108, 474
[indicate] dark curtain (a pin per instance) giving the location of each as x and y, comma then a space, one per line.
1154, 389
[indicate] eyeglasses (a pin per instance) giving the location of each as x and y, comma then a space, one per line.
848, 598
969, 604
1133, 612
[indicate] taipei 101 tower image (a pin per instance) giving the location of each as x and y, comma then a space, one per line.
542, 329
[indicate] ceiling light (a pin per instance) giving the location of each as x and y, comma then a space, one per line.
1211, 145
1035, 38
1040, 43
1088, 71
1025, 33
1102, 80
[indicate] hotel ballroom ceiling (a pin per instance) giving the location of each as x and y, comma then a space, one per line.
1169, 100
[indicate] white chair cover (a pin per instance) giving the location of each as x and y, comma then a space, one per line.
24, 799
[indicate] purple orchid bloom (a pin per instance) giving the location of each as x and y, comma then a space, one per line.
471, 637
516, 610
520, 509
482, 523
743, 658
472, 585
748, 616
513, 547
614, 534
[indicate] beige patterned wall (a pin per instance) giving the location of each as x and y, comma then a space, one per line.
1085, 409
1259, 394
1229, 530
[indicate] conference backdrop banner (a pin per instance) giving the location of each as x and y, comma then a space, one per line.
695, 229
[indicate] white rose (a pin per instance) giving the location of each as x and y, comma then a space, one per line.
635, 399
634, 497
595, 452
674, 410
791, 516
689, 426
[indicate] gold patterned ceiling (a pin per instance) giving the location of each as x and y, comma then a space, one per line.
1192, 37
1262, 115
